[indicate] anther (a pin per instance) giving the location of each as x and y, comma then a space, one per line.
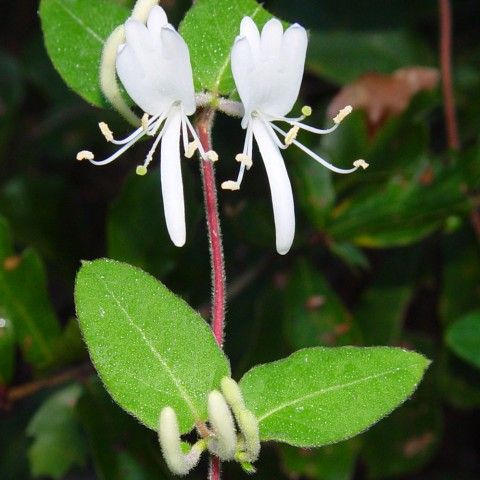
361, 164
141, 170
145, 120
306, 110
344, 112
291, 135
106, 132
85, 155
191, 149
230, 185
244, 159
212, 155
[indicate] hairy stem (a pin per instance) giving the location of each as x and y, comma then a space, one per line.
445, 12
204, 128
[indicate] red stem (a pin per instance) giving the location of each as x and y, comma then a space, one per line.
446, 67
204, 127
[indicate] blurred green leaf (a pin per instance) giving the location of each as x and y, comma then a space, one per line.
460, 291
458, 383
403, 442
313, 313
331, 393
74, 32
342, 56
136, 230
149, 347
331, 462
210, 28
24, 301
315, 191
382, 307
402, 212
463, 338
58, 443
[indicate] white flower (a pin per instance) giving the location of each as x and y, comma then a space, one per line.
154, 67
268, 71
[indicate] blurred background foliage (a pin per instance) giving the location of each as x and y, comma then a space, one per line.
389, 256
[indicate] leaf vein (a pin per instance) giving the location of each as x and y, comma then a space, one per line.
77, 19
330, 389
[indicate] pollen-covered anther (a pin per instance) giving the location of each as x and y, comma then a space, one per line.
344, 112
230, 185
212, 155
145, 120
85, 155
291, 135
306, 111
361, 164
191, 149
244, 159
106, 132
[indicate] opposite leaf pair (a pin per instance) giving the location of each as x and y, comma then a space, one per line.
153, 63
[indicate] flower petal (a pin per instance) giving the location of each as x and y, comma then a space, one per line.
154, 65
157, 19
268, 75
249, 29
171, 177
280, 187
271, 39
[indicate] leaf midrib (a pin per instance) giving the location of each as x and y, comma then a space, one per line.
183, 394
80, 22
331, 389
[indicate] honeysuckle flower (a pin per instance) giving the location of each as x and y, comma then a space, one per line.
154, 67
268, 70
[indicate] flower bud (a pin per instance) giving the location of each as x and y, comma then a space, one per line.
224, 444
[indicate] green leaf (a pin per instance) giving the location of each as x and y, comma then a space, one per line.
24, 302
74, 32
463, 337
133, 237
210, 28
332, 462
58, 440
149, 347
313, 313
321, 395
387, 298
343, 56
401, 212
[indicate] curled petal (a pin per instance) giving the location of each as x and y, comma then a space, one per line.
171, 177
280, 187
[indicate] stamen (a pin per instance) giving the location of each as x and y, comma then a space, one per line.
191, 149
319, 159
145, 121
244, 159
106, 132
212, 155
344, 112
230, 185
361, 164
85, 155
195, 138
141, 170
291, 135
306, 110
